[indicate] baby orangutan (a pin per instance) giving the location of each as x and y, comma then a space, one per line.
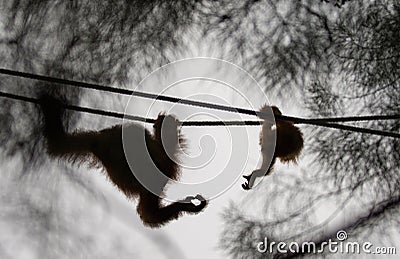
289, 143
105, 148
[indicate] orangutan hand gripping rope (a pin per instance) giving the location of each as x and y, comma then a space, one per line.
289, 143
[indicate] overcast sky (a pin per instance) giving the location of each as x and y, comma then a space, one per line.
212, 151
52, 212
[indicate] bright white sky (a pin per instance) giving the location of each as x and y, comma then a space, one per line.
230, 150
190, 236
213, 151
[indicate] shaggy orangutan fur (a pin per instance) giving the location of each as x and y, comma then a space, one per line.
289, 143
105, 149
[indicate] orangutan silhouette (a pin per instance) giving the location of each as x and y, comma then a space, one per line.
105, 149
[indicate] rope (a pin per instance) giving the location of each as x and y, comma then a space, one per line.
165, 98
132, 117
199, 123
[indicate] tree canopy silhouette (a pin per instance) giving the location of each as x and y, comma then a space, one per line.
331, 61
105, 42
342, 61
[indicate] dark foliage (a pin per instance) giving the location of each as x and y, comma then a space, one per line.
349, 66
